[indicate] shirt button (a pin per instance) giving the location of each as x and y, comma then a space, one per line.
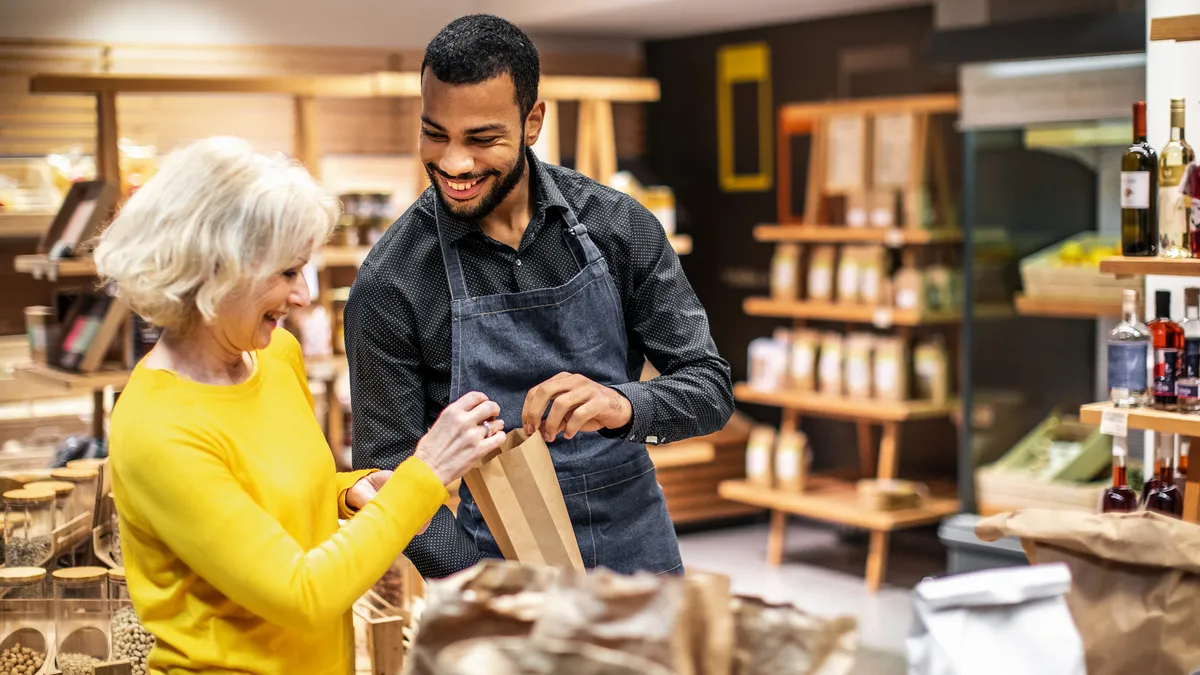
518, 262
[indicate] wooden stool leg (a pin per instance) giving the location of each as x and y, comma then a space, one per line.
775, 539
889, 450
877, 560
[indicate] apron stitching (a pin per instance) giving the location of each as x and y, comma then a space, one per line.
591, 530
670, 570
548, 304
605, 487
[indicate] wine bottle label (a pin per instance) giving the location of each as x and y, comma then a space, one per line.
1135, 189
1187, 390
1172, 217
1191, 357
1127, 366
1166, 365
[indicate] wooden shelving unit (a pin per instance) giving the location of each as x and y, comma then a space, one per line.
844, 408
682, 243
44, 375
836, 501
1185, 28
42, 267
24, 225
1147, 419
684, 453
1066, 308
836, 234
880, 317
1131, 267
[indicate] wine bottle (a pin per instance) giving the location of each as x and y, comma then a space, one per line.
1164, 497
1128, 355
1119, 497
1187, 387
1167, 338
1173, 206
1139, 191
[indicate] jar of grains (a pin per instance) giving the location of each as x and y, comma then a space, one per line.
26, 624
28, 524
82, 619
130, 640
63, 492
85, 482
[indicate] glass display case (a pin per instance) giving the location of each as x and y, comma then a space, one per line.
29, 523
130, 640
82, 619
26, 623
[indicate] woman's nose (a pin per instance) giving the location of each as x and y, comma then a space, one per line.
300, 296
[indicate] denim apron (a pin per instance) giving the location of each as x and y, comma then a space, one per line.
504, 345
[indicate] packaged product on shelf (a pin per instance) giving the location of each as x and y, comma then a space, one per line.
26, 620
82, 619
785, 272
882, 205
39, 322
871, 261
848, 275
891, 369
856, 209
940, 289
858, 365
791, 461
829, 368
909, 286
932, 368
875, 494
802, 365
821, 266
759, 451
768, 364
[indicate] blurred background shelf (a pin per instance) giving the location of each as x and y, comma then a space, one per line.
839, 407
830, 234
1066, 308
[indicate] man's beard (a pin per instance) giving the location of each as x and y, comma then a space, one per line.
505, 184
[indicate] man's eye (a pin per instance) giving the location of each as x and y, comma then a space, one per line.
433, 135
484, 141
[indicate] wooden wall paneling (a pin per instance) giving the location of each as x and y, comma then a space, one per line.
107, 165
304, 145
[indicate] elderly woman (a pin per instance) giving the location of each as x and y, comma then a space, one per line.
226, 488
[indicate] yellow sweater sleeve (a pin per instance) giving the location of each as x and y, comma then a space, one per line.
346, 480
192, 502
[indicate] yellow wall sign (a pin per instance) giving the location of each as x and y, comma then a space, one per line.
738, 64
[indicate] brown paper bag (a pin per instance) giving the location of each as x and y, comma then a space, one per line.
642, 614
521, 656
783, 640
518, 494
710, 619
492, 599
1135, 583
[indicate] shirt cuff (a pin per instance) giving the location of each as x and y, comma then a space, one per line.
344, 510
641, 425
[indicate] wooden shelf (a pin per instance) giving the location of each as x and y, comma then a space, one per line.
42, 268
24, 225
1131, 267
836, 234
75, 382
880, 317
1144, 418
341, 256
684, 453
1066, 308
1183, 28
840, 407
835, 501
682, 243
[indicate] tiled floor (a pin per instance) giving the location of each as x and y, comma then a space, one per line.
822, 574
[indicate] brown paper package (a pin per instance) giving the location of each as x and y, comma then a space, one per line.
891, 369
848, 275
759, 455
518, 494
782, 640
802, 363
1135, 583
785, 272
710, 618
522, 656
821, 267
830, 364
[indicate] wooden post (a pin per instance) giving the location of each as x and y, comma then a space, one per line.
98, 413
877, 555
585, 147
606, 141
305, 141
775, 538
385, 643
866, 450
889, 451
108, 166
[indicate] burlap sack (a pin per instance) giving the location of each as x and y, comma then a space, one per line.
783, 640
522, 656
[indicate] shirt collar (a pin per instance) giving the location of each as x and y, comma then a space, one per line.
546, 194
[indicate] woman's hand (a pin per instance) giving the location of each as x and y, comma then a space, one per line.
459, 437
364, 490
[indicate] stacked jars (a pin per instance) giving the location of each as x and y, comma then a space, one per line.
26, 623
29, 523
63, 498
130, 640
84, 480
93, 463
82, 619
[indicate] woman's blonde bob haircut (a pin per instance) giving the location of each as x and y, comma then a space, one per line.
217, 218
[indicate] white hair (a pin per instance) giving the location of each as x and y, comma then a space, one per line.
217, 217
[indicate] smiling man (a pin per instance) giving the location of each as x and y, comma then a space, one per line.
544, 290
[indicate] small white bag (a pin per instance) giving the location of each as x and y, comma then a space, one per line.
996, 622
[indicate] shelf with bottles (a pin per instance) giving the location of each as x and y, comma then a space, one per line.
843, 407
1183, 28
1066, 308
1147, 419
22, 225
1158, 220
1125, 266
891, 237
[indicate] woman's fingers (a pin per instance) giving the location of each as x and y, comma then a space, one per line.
483, 412
469, 401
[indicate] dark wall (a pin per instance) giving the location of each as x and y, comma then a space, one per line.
810, 61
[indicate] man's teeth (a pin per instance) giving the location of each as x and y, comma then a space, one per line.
461, 187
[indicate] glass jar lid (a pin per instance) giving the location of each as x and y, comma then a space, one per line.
75, 475
79, 576
21, 576
90, 463
28, 497
117, 574
59, 487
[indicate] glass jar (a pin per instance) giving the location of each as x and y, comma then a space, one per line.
26, 624
93, 463
85, 481
130, 640
82, 619
29, 523
63, 494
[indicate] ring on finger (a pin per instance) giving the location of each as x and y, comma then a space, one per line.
487, 428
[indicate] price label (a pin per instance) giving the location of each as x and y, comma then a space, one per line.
1114, 423
882, 318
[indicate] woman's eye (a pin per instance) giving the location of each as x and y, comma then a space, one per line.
291, 274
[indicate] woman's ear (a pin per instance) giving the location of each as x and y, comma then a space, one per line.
533, 123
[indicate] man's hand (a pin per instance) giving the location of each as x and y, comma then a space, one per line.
365, 489
579, 405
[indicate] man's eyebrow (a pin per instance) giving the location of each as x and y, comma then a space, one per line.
431, 123
497, 126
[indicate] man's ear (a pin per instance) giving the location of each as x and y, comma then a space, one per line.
533, 123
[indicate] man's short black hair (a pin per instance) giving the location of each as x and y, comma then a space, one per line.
478, 47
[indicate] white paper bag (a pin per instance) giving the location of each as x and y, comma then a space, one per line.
996, 622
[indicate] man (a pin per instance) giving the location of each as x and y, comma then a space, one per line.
540, 288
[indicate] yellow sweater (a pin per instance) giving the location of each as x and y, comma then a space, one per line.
229, 503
